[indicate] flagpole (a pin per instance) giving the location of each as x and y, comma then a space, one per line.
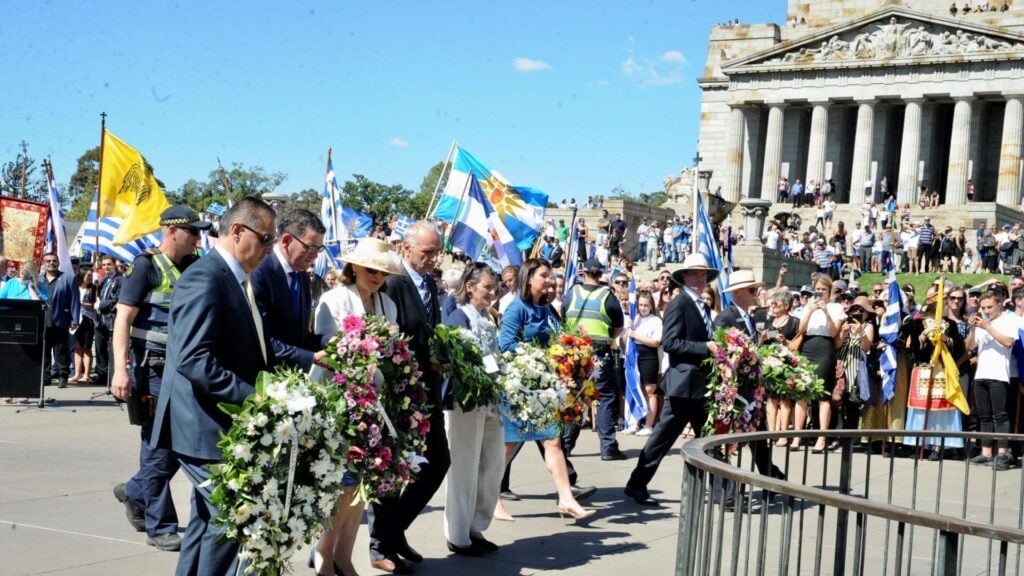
437, 185
99, 183
227, 185
931, 372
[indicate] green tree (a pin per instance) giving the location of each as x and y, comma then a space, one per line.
244, 181
380, 200
308, 199
82, 187
11, 178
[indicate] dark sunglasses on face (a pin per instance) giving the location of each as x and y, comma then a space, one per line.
621, 282
266, 239
958, 298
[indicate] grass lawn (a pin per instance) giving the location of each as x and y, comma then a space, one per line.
921, 282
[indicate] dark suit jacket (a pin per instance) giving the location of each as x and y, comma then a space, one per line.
414, 323
730, 318
64, 302
212, 357
684, 338
290, 337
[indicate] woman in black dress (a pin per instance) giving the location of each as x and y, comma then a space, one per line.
780, 327
820, 321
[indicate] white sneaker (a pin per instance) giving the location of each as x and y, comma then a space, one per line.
632, 429
644, 432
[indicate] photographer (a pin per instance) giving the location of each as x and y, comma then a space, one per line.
993, 333
856, 383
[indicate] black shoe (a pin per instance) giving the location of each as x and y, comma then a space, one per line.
581, 493
136, 517
641, 496
483, 543
510, 496
934, 456
471, 550
393, 564
167, 542
62, 383
1001, 463
407, 552
614, 455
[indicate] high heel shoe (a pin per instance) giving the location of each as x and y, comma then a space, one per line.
582, 514
502, 515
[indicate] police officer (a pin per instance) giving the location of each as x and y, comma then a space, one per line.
596, 310
141, 326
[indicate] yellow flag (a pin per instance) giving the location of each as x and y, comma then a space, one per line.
128, 190
954, 394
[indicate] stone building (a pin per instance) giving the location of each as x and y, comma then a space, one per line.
858, 90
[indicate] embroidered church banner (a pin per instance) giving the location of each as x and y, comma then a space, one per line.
23, 229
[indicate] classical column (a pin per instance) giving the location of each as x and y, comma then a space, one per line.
816, 145
1008, 191
862, 142
734, 156
959, 152
910, 152
772, 153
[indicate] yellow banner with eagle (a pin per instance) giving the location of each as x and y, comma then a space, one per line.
129, 190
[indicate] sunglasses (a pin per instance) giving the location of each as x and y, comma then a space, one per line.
620, 282
310, 248
958, 298
665, 278
266, 239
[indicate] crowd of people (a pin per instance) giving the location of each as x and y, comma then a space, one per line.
189, 332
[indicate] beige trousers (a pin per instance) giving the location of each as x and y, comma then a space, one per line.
476, 440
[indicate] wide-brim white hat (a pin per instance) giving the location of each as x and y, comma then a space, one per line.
694, 262
741, 280
374, 254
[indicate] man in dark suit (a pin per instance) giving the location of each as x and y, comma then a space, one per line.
109, 290
215, 349
62, 314
686, 338
281, 286
743, 289
415, 296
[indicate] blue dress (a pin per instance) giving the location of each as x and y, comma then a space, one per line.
525, 322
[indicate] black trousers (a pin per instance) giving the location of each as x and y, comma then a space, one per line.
103, 341
57, 342
675, 415
992, 416
390, 518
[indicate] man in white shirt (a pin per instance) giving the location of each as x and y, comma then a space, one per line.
993, 333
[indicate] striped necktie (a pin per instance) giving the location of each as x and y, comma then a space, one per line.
705, 314
256, 320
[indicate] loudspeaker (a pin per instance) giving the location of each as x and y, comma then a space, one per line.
22, 323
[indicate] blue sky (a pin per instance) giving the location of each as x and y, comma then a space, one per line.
571, 97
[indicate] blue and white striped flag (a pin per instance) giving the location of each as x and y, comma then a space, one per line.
889, 332
86, 238
707, 246
335, 233
216, 209
402, 225
570, 255
57, 239
636, 400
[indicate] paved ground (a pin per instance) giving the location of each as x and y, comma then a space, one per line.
58, 516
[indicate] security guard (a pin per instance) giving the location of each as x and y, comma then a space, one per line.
597, 311
141, 325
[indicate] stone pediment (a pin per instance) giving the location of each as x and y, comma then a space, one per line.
891, 36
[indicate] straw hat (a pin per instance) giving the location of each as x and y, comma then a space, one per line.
741, 280
694, 262
374, 254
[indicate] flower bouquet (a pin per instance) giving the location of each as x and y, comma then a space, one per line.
571, 355
454, 349
280, 476
386, 418
735, 391
531, 392
789, 376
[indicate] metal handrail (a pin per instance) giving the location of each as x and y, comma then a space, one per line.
695, 453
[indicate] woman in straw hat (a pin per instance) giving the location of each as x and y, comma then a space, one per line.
359, 293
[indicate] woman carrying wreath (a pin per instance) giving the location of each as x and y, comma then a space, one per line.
782, 328
530, 318
475, 438
359, 292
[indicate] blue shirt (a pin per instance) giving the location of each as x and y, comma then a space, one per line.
524, 322
797, 189
15, 289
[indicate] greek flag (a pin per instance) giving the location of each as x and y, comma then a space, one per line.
889, 332
335, 233
570, 257
86, 238
216, 209
401, 226
707, 246
636, 401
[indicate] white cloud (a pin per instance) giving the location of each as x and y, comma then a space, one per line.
398, 143
673, 56
528, 65
631, 67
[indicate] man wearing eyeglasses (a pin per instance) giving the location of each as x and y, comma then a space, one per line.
61, 294
281, 287
140, 349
